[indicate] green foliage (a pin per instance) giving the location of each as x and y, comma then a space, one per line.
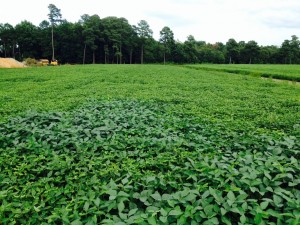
281, 72
185, 147
27, 39
135, 162
31, 62
54, 14
241, 102
91, 31
117, 41
145, 34
167, 39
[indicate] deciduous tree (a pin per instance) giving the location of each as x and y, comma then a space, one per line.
116, 32
295, 48
91, 33
27, 40
251, 51
8, 37
232, 51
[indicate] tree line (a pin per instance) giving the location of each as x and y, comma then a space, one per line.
112, 40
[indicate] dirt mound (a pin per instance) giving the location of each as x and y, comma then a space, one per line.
10, 63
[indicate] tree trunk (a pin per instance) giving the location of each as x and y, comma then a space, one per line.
121, 53
94, 57
250, 61
52, 39
4, 50
142, 55
84, 50
20, 56
230, 60
130, 56
105, 53
164, 58
13, 51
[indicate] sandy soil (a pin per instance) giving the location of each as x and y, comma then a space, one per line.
10, 63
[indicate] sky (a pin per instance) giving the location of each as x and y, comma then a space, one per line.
268, 22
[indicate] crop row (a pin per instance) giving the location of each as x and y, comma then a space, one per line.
237, 100
282, 72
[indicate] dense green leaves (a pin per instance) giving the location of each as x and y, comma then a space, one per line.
200, 148
266, 71
133, 162
114, 40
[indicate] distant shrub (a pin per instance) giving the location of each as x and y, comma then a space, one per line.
31, 62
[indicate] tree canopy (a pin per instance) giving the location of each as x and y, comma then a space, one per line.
114, 40
54, 17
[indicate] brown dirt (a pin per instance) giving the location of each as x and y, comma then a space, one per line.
10, 63
282, 81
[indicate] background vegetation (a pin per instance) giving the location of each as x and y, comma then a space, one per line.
113, 40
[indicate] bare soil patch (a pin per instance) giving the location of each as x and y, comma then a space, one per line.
10, 63
282, 81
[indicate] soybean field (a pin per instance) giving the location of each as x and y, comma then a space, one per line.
150, 144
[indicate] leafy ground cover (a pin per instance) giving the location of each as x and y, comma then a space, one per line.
93, 164
282, 72
153, 145
243, 101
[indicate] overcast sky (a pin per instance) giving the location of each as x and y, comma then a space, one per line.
269, 22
